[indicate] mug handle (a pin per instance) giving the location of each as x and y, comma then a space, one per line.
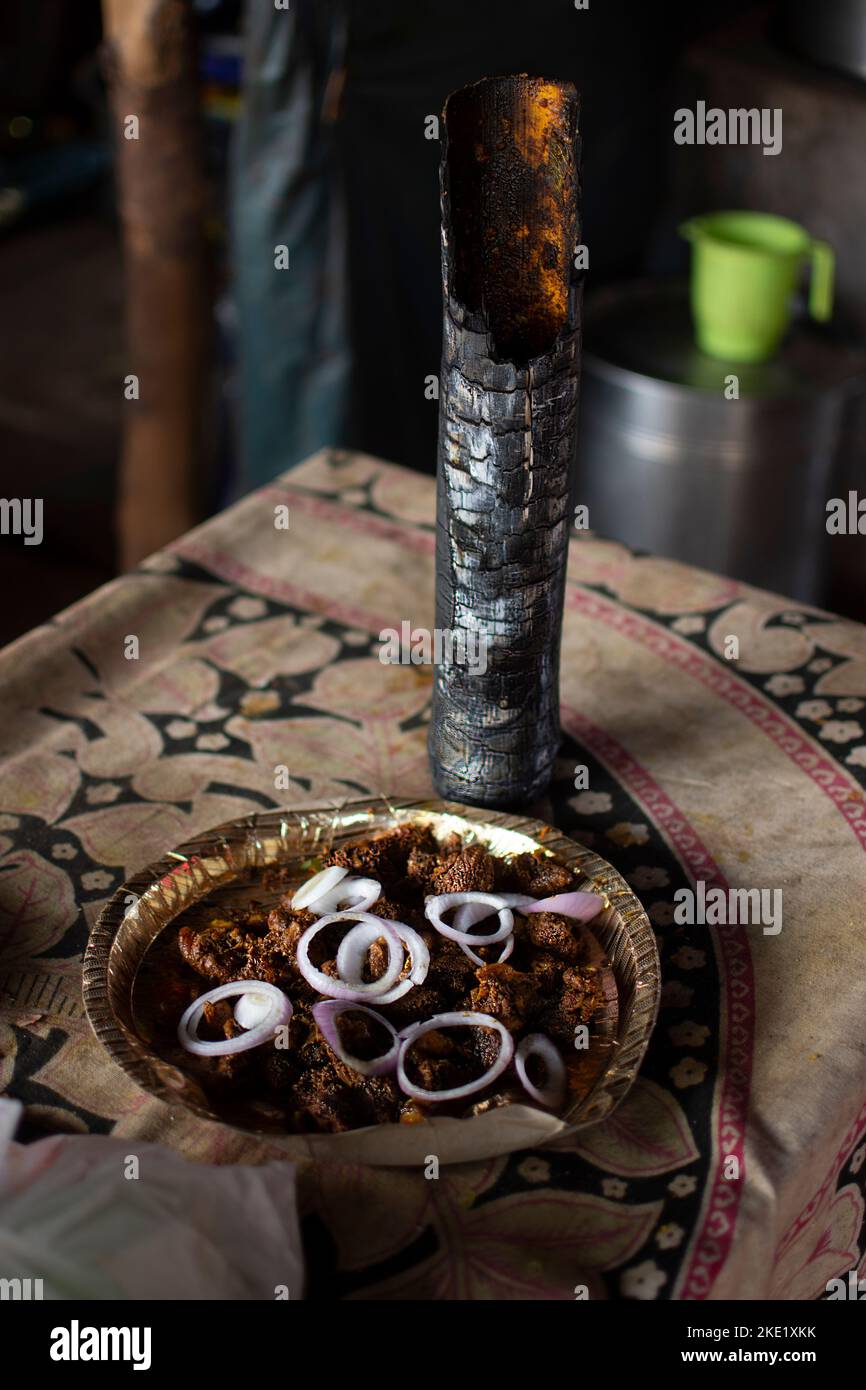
821, 288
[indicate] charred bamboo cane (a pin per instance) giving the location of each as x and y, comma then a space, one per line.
509, 182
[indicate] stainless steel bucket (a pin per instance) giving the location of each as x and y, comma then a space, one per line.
832, 33
669, 464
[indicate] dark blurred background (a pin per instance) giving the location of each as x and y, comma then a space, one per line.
306, 128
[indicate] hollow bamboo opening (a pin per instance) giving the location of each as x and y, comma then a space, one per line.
510, 196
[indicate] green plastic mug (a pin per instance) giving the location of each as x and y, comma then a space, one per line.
745, 270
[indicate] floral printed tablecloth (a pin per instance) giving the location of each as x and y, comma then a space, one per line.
258, 647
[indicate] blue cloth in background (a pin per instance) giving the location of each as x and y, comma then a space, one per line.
339, 349
294, 349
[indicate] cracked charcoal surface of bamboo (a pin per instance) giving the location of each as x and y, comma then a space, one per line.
507, 430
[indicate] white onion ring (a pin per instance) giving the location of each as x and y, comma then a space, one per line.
281, 1012
539, 1045
356, 943
442, 902
411, 1035
252, 1009
326, 1014
500, 959
471, 913
340, 989
320, 883
351, 894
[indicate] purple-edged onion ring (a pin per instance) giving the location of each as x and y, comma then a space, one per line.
539, 1045
356, 943
581, 906
326, 1014
280, 1012
434, 907
318, 885
411, 1035
350, 895
340, 989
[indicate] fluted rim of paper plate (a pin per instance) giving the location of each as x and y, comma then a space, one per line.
217, 856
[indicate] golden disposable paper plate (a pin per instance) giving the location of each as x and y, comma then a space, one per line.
228, 861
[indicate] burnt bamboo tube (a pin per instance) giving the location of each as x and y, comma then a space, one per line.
509, 183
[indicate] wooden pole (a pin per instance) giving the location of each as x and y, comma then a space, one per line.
507, 432
163, 199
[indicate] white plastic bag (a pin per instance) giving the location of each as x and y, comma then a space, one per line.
99, 1218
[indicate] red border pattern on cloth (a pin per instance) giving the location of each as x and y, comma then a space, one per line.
712, 1243
785, 734
851, 1135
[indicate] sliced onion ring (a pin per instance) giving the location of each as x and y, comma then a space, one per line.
507, 948
356, 943
471, 913
326, 1014
434, 907
539, 1045
318, 885
581, 906
340, 989
351, 894
281, 1012
252, 1009
410, 1035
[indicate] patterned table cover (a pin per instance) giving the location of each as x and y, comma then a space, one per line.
258, 646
